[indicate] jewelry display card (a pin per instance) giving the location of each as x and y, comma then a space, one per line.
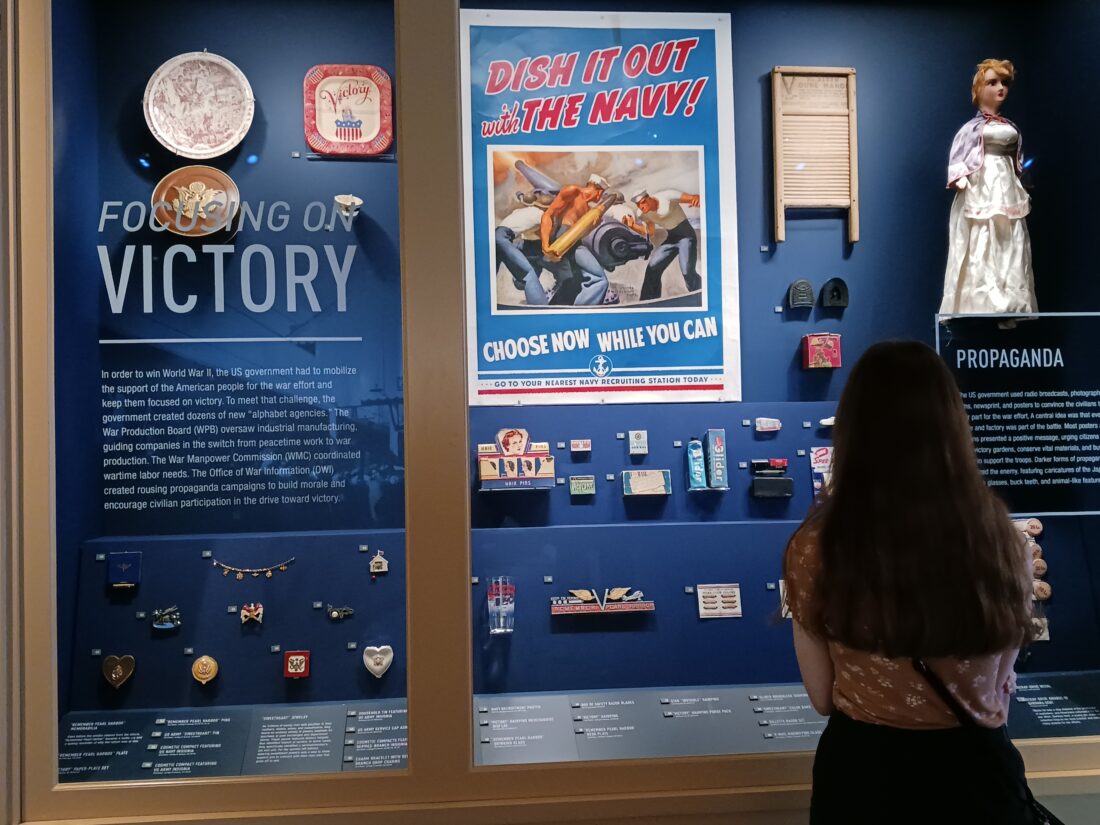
718, 601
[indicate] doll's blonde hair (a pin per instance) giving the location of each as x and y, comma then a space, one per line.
1002, 68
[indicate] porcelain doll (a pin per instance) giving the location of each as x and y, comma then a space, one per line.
989, 251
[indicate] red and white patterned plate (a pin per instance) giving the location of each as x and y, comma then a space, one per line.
348, 110
198, 105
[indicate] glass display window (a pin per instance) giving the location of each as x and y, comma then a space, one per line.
228, 389
502, 533
637, 468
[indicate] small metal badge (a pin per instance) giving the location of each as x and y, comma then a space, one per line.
338, 613
379, 565
296, 664
204, 669
252, 612
166, 619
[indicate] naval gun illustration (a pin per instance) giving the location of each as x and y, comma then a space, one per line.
610, 241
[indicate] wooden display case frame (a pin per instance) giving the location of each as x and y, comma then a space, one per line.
441, 784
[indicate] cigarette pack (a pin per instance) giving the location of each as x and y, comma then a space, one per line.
582, 485
647, 483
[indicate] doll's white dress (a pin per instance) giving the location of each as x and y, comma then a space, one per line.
989, 250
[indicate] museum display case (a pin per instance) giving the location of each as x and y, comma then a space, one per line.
410, 404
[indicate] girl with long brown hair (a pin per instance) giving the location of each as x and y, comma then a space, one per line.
910, 591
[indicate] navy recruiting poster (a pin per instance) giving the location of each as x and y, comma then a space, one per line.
601, 248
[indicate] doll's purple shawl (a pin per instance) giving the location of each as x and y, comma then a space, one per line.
968, 149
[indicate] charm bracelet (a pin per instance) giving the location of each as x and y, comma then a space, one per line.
254, 572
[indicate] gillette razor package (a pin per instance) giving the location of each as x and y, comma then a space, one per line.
696, 466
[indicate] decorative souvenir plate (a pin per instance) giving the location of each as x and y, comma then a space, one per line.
198, 105
196, 201
348, 110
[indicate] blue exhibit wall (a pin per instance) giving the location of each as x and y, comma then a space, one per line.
668, 647
328, 569
103, 56
914, 64
1060, 137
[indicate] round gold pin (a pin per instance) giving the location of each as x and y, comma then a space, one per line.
204, 669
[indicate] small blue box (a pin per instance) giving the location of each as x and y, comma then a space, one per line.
717, 465
124, 569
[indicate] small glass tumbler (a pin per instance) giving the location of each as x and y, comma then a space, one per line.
502, 605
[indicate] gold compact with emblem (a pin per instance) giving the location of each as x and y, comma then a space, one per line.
196, 201
204, 669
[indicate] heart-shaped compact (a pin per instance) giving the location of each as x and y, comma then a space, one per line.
378, 659
117, 669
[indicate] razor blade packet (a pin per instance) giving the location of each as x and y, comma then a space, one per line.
696, 466
714, 446
514, 462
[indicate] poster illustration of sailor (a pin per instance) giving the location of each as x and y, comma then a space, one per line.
600, 214
583, 243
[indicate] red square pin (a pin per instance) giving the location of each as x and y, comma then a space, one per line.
296, 664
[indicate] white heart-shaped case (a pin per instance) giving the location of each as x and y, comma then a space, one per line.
378, 659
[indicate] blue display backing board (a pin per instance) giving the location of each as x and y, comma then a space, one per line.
669, 646
662, 544
665, 425
329, 568
895, 273
617, 651
103, 150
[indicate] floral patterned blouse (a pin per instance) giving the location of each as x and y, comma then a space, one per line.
883, 691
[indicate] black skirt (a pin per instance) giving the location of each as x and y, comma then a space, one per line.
876, 775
